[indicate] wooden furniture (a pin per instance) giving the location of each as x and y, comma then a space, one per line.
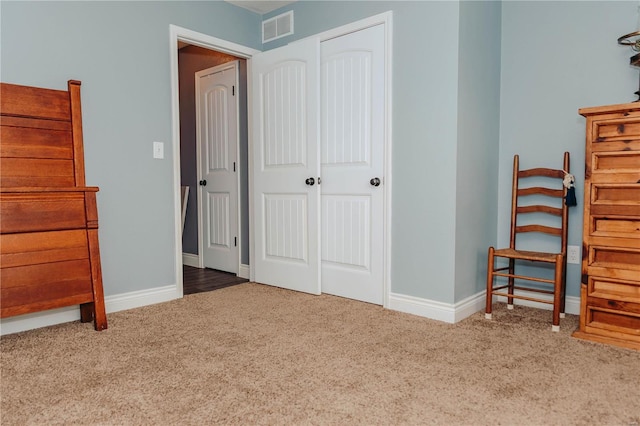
49, 254
610, 290
546, 209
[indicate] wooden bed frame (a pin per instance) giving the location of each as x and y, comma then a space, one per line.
49, 252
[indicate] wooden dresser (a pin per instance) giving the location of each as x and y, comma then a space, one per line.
610, 290
49, 253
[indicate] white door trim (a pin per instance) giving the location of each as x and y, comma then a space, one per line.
176, 34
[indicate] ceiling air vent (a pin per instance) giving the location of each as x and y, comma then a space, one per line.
278, 26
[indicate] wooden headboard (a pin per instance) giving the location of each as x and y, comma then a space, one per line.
49, 252
42, 142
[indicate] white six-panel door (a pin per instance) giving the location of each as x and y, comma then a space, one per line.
217, 141
286, 167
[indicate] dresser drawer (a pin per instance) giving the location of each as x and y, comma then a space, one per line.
616, 134
614, 289
615, 226
611, 322
30, 212
615, 262
616, 194
615, 167
608, 199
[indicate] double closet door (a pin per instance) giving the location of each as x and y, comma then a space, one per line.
319, 131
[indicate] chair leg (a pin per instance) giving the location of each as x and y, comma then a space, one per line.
512, 264
564, 288
557, 293
487, 312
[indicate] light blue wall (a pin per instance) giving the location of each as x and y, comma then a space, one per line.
120, 52
478, 137
558, 57
555, 58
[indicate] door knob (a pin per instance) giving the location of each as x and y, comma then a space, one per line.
310, 181
375, 181
203, 182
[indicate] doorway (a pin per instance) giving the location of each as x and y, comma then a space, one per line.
192, 52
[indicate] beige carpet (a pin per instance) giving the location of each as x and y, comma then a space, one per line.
253, 354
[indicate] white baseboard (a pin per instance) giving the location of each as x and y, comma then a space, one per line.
244, 271
571, 305
191, 260
454, 312
432, 309
118, 302
38, 320
137, 299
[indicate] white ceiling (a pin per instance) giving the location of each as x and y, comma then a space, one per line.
260, 6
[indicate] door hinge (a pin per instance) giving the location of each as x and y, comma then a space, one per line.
235, 241
234, 166
233, 90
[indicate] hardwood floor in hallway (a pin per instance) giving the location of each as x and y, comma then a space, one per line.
196, 280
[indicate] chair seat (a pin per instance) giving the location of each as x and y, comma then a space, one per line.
536, 256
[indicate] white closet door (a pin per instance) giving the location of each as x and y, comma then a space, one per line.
352, 165
286, 166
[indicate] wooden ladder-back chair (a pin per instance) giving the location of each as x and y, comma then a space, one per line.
549, 202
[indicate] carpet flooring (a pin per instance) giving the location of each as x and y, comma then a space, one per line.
253, 354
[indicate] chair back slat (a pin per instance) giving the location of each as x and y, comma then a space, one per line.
537, 190
541, 171
556, 211
539, 228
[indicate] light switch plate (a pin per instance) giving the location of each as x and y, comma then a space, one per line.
158, 150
